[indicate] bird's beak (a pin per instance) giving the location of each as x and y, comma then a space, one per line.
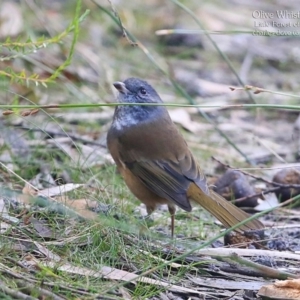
120, 86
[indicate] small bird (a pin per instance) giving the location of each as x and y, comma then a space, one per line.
155, 161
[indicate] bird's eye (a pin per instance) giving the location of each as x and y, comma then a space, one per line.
143, 91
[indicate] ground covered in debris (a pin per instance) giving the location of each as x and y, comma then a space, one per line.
70, 228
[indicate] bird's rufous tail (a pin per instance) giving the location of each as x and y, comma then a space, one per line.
227, 213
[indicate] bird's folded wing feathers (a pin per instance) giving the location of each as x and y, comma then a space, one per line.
163, 178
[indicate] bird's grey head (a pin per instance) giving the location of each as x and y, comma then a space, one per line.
134, 90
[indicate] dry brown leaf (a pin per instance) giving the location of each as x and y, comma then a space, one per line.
287, 289
34, 111
29, 190
7, 112
291, 283
81, 206
25, 113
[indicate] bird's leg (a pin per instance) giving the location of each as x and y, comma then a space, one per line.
172, 210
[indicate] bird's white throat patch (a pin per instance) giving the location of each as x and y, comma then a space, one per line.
125, 118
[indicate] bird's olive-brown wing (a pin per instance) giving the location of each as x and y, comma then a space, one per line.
169, 179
